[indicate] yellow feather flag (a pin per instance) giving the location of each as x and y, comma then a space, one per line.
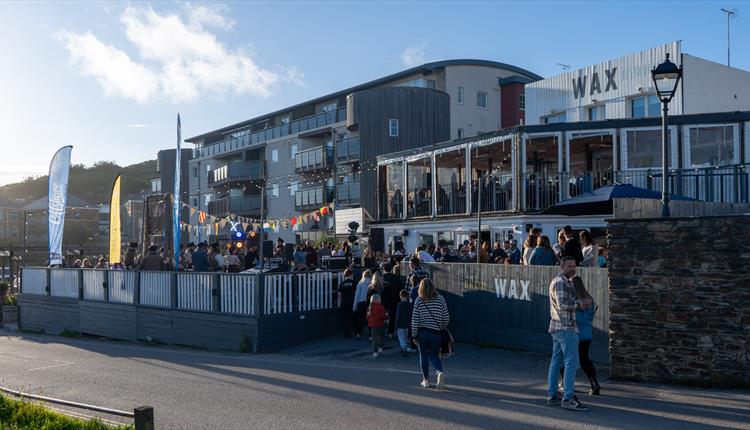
114, 223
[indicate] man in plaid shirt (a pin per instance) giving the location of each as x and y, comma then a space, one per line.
562, 327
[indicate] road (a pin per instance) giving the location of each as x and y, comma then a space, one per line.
336, 384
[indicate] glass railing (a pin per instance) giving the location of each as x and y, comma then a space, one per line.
243, 205
311, 160
313, 198
347, 150
348, 193
243, 139
237, 171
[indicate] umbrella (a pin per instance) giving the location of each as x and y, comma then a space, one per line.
599, 201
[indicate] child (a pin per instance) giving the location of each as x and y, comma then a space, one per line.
403, 322
377, 318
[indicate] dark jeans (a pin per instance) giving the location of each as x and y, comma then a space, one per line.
359, 317
583, 358
378, 334
347, 317
429, 348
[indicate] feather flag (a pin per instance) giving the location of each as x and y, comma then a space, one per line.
114, 223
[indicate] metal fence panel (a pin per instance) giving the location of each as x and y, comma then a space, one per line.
121, 286
155, 289
34, 280
93, 284
278, 294
237, 293
194, 291
64, 282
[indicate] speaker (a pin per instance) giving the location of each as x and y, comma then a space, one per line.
377, 239
267, 248
288, 251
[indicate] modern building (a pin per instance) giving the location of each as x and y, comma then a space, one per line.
11, 224
131, 218
324, 150
165, 167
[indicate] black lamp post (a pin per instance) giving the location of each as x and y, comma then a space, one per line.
666, 78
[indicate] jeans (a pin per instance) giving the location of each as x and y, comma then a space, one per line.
377, 337
564, 353
403, 337
583, 359
429, 347
359, 318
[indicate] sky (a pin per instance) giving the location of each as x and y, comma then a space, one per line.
110, 77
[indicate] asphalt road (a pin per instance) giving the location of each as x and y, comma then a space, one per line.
336, 384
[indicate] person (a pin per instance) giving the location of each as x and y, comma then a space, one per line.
101, 264
498, 254
311, 255
543, 254
562, 328
484, 252
251, 257
445, 255
130, 256
346, 298
429, 317
323, 251
86, 264
403, 322
558, 246
232, 261
572, 247
415, 276
590, 251
528, 247
278, 250
584, 318
299, 258
368, 259
434, 252
423, 255
514, 253
377, 318
200, 259
215, 258
359, 304
187, 258
472, 256
376, 285
152, 260
602, 260
392, 285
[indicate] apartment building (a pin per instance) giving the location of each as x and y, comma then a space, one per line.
11, 224
323, 151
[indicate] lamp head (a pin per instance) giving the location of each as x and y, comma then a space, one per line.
666, 77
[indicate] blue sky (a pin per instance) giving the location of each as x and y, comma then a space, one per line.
110, 77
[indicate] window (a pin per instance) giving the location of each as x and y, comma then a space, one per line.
711, 146
156, 185
275, 155
194, 202
329, 107
293, 187
554, 119
195, 172
522, 101
481, 99
418, 83
207, 199
284, 120
597, 113
644, 148
645, 106
275, 190
208, 168
292, 151
460, 133
393, 127
460, 96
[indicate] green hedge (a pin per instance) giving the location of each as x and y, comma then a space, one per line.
17, 415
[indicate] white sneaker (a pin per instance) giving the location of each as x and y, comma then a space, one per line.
425, 383
380, 350
374, 355
440, 380
410, 350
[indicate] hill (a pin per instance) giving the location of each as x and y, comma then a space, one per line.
93, 184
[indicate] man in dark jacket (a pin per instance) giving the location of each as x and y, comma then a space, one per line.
347, 288
200, 259
130, 254
152, 261
572, 246
251, 257
392, 286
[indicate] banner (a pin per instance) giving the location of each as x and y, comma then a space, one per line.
57, 197
176, 200
114, 223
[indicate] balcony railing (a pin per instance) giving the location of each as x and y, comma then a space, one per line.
244, 205
246, 138
237, 171
312, 198
348, 193
347, 150
313, 160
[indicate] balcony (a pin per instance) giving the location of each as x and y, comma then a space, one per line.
313, 160
348, 194
347, 150
246, 138
237, 171
312, 198
244, 205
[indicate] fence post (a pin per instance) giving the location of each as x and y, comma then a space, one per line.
80, 284
137, 289
105, 285
173, 290
143, 418
215, 293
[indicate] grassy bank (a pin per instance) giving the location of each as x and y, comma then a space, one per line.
17, 415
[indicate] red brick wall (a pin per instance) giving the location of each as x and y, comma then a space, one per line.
510, 105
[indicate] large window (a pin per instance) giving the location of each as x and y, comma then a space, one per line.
554, 119
460, 96
275, 155
644, 148
645, 106
451, 182
393, 127
711, 146
481, 99
293, 151
597, 113
418, 83
419, 187
522, 101
391, 185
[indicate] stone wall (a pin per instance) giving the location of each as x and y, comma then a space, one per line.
680, 300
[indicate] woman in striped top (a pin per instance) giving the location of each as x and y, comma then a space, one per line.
429, 317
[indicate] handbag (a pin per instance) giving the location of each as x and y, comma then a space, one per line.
446, 339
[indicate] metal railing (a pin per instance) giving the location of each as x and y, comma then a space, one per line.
237, 171
451, 199
194, 291
155, 289
419, 203
391, 205
347, 150
312, 160
348, 193
238, 293
313, 198
244, 205
247, 138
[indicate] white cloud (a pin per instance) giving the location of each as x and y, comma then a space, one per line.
179, 59
413, 56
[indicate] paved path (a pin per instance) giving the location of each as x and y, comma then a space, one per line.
336, 384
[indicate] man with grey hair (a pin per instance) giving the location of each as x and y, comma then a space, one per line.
514, 253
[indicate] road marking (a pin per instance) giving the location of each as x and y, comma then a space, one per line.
49, 367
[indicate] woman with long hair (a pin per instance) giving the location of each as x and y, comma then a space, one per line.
528, 247
585, 312
376, 284
589, 249
558, 246
543, 254
359, 307
429, 317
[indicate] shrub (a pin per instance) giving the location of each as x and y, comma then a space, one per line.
10, 301
15, 414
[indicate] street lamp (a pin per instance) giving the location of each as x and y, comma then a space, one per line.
666, 78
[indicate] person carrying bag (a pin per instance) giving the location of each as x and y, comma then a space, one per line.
429, 322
